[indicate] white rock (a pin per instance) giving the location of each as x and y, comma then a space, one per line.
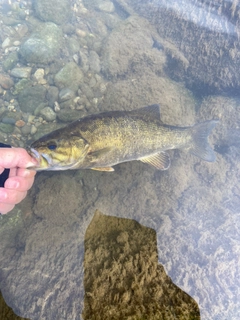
39, 74
16, 43
6, 43
33, 130
56, 106
106, 6
48, 114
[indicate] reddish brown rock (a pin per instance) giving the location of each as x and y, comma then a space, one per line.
5, 81
20, 123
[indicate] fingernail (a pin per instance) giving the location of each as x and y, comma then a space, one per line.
31, 164
11, 184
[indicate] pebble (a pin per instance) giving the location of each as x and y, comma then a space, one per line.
23, 72
106, 6
84, 61
6, 127
52, 95
16, 43
20, 123
94, 61
102, 87
26, 130
95, 101
66, 94
11, 107
81, 33
48, 114
39, 73
6, 43
31, 118
39, 76
33, 130
76, 58
5, 81
92, 82
56, 106
22, 30
8, 120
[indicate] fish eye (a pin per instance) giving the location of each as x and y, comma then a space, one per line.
52, 146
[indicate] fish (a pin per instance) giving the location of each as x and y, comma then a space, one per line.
101, 141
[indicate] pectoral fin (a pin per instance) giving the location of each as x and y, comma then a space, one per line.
160, 161
108, 169
96, 155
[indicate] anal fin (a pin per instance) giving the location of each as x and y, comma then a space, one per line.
160, 160
107, 169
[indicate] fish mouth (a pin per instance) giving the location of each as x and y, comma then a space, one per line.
34, 153
43, 159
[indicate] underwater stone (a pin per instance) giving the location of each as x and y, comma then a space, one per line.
49, 10
20, 85
69, 115
10, 61
70, 76
5, 81
23, 72
66, 94
48, 114
30, 97
52, 95
6, 128
94, 62
106, 6
44, 44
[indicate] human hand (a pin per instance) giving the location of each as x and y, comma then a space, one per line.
20, 178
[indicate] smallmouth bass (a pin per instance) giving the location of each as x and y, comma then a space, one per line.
103, 140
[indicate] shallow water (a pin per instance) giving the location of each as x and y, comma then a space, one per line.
136, 243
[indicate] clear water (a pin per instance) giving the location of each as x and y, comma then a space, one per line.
136, 243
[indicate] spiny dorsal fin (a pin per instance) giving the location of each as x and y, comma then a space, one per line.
107, 169
150, 111
160, 160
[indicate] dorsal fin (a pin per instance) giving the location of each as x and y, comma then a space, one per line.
152, 111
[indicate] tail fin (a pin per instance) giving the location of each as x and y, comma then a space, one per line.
200, 146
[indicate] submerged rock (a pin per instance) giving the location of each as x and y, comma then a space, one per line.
66, 94
48, 114
23, 72
69, 115
44, 45
10, 61
130, 46
52, 95
49, 10
106, 6
205, 32
94, 61
5, 81
6, 127
30, 97
20, 85
128, 257
70, 76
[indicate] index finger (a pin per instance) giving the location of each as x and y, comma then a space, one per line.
15, 157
